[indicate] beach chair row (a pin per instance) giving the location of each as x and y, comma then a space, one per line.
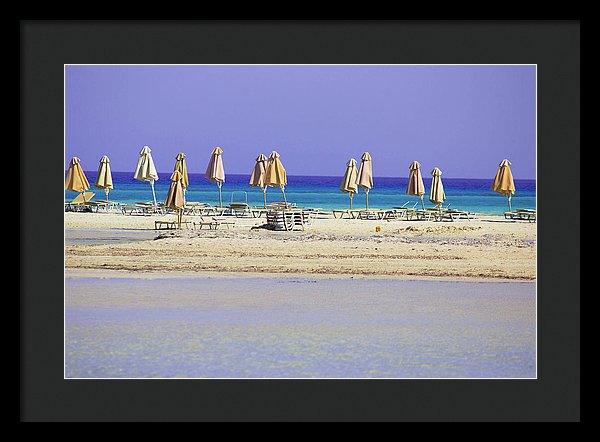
212, 223
404, 213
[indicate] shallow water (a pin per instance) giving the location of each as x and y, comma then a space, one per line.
298, 328
107, 236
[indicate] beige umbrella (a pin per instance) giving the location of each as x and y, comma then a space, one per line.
415, 182
348, 184
257, 179
182, 168
503, 181
215, 171
145, 170
76, 180
436, 194
275, 174
104, 177
365, 175
175, 195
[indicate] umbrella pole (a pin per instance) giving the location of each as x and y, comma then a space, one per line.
153, 193
184, 190
106, 192
283, 191
179, 217
265, 195
367, 191
422, 203
220, 195
509, 208
351, 195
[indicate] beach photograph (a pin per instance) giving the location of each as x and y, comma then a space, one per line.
252, 221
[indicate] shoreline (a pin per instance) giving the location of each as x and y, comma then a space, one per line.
94, 273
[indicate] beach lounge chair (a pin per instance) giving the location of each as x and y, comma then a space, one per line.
223, 221
406, 212
368, 214
239, 209
522, 214
211, 224
341, 213
134, 209
193, 208
172, 224
77, 204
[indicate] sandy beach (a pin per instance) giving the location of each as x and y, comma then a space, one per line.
488, 248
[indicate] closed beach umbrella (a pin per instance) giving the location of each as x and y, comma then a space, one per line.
76, 180
436, 194
257, 179
348, 184
275, 174
145, 170
182, 168
503, 181
175, 195
415, 182
365, 175
104, 177
215, 171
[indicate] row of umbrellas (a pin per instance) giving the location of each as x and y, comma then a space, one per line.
363, 177
270, 172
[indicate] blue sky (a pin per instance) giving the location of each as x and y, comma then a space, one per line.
462, 119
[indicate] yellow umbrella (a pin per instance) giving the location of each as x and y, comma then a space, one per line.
145, 170
175, 195
182, 168
415, 182
503, 181
436, 194
275, 174
104, 176
257, 179
76, 180
215, 171
365, 175
348, 184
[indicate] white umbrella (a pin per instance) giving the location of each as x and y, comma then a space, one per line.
104, 176
215, 171
348, 184
145, 170
365, 175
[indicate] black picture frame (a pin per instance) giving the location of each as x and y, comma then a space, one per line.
45, 46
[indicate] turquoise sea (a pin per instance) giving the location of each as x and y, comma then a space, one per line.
322, 191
